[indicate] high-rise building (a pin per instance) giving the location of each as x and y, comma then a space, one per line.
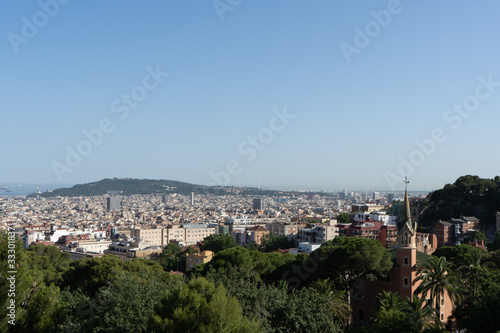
376, 196
164, 199
192, 198
259, 204
114, 203
343, 195
113, 233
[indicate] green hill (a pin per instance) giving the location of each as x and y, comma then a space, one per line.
467, 196
129, 186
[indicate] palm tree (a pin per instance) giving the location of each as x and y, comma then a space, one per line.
392, 313
421, 315
398, 314
389, 301
474, 269
323, 286
340, 308
436, 278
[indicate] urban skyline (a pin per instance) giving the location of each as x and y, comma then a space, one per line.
248, 166
28, 188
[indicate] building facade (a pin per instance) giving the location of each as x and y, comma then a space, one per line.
189, 234
114, 203
455, 230
401, 278
318, 234
198, 258
259, 204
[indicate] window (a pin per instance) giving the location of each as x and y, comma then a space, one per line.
406, 261
405, 282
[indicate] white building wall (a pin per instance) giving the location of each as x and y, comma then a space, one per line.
308, 247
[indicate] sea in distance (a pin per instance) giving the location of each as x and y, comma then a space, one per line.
22, 189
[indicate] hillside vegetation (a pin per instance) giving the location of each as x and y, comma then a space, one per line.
467, 196
129, 186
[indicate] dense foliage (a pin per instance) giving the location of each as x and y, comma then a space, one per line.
343, 218
173, 257
241, 290
350, 259
398, 314
270, 243
468, 196
217, 243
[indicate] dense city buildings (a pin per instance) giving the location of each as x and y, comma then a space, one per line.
99, 223
141, 226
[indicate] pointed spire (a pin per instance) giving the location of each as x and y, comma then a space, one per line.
406, 216
406, 206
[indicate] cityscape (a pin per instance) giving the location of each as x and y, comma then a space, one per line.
249, 166
188, 235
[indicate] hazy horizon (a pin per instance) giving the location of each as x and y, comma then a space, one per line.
28, 188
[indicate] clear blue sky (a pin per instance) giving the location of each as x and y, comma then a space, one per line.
353, 120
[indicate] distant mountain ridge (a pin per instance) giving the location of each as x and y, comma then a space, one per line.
130, 186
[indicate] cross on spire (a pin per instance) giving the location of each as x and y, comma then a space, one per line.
406, 182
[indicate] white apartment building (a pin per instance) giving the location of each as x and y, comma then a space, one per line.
186, 233
175, 233
89, 246
157, 236
308, 247
54, 236
282, 229
33, 237
376, 216
195, 232
318, 234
